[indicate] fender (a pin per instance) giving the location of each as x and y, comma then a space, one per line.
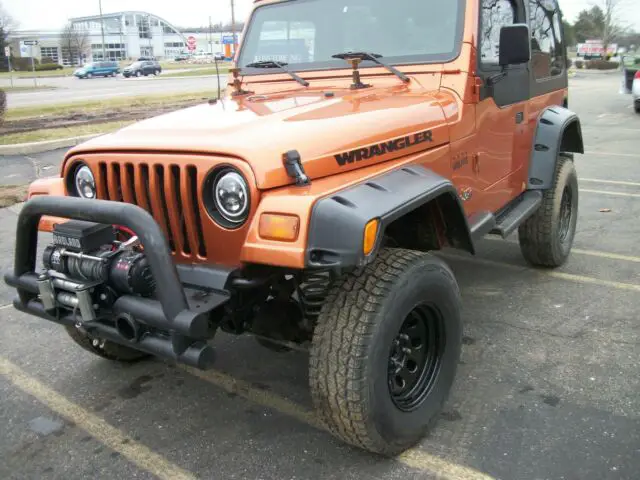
337, 222
558, 131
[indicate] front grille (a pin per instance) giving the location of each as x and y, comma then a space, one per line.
170, 194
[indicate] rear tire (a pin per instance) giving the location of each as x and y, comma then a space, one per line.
385, 351
547, 236
636, 106
105, 348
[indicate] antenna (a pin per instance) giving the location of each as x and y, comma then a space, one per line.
217, 74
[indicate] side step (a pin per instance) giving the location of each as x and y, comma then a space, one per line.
517, 212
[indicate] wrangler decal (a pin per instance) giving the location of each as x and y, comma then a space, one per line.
383, 148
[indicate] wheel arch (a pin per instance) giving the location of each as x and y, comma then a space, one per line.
558, 131
408, 202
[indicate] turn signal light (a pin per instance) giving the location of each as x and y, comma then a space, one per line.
370, 236
275, 226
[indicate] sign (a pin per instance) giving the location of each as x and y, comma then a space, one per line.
191, 43
7, 51
228, 39
30, 42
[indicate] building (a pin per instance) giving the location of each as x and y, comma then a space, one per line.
127, 35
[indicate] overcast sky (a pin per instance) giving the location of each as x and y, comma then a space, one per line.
45, 14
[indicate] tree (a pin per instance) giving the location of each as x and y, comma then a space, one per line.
7, 24
612, 27
569, 33
75, 44
590, 24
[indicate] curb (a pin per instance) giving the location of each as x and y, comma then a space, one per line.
47, 145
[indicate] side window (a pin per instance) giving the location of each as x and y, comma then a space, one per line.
495, 15
547, 49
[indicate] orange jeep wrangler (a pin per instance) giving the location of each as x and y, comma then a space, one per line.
355, 138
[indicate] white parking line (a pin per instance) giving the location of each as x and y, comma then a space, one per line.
615, 194
612, 154
612, 182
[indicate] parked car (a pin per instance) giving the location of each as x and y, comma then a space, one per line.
631, 79
98, 69
139, 68
181, 57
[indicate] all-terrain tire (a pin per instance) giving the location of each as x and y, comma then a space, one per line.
105, 348
350, 376
547, 236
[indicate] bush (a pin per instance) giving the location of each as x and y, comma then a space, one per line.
3, 105
48, 66
23, 64
579, 64
602, 65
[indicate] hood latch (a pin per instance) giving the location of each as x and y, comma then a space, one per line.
293, 166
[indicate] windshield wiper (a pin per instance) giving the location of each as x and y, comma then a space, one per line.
374, 57
281, 66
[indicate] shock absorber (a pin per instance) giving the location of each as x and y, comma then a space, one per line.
312, 292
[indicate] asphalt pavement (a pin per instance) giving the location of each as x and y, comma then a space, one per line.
71, 89
547, 387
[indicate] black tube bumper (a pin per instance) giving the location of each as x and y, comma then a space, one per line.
179, 332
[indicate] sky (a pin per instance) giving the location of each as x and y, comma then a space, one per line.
47, 15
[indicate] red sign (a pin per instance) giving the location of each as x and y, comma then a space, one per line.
191, 43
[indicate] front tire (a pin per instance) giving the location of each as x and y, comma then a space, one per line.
385, 351
104, 348
547, 236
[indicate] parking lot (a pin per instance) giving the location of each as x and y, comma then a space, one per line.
547, 387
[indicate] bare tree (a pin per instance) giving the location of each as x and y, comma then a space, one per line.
75, 43
7, 24
612, 27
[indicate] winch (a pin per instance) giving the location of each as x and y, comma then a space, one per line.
87, 269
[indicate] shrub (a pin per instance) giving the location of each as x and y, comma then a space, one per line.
3, 105
602, 65
579, 64
23, 64
48, 66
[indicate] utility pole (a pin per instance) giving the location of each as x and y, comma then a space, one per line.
233, 28
104, 55
210, 36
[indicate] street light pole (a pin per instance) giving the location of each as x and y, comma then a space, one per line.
233, 27
104, 55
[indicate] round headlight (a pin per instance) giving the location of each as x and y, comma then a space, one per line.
231, 197
85, 183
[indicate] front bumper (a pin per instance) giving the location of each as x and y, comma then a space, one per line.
173, 329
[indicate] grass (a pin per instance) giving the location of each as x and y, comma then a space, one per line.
105, 105
198, 71
12, 194
44, 73
26, 88
58, 133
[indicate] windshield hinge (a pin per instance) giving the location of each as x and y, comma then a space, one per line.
293, 166
237, 83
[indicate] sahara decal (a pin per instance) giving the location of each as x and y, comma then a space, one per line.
383, 148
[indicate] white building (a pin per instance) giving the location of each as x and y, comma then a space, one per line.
127, 35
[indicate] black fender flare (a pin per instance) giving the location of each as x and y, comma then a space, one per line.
337, 224
558, 131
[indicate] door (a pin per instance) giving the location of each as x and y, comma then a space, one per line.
501, 116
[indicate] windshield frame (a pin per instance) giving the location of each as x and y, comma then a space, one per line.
337, 64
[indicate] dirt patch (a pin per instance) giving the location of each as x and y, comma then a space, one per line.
133, 112
12, 194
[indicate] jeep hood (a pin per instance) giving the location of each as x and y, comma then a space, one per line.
333, 133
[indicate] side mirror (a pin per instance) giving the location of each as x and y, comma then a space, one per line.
515, 45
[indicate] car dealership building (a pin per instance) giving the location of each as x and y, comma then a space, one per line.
127, 35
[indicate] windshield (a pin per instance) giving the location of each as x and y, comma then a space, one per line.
306, 33
135, 65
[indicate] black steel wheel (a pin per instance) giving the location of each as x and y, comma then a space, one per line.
546, 238
415, 357
385, 351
